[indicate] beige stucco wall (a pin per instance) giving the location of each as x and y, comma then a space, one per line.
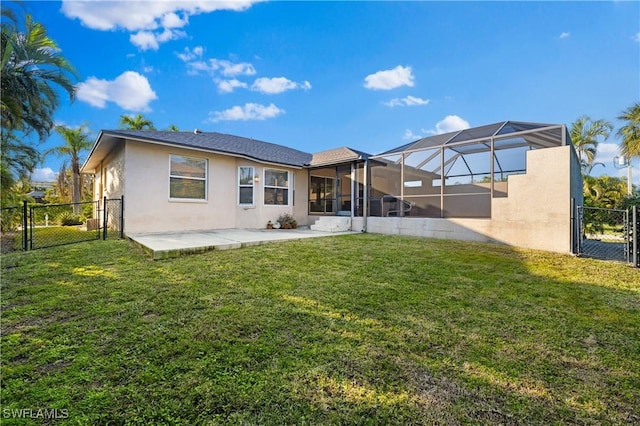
149, 209
109, 176
537, 211
536, 214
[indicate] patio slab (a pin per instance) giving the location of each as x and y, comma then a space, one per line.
174, 244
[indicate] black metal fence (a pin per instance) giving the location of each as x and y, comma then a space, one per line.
34, 226
608, 234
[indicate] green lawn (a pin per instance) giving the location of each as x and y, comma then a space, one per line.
358, 329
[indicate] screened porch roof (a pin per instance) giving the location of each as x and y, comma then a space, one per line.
535, 135
475, 152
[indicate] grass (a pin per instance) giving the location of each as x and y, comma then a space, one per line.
359, 329
60, 235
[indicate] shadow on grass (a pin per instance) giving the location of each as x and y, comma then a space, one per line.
343, 330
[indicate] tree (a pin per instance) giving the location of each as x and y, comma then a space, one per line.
584, 133
76, 141
173, 128
32, 70
139, 122
605, 192
18, 159
630, 132
31, 73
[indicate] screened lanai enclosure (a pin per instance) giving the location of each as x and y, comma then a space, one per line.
510, 182
455, 174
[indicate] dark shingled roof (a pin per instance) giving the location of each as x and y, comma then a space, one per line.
222, 143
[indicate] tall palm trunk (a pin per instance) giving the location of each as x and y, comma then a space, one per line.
76, 197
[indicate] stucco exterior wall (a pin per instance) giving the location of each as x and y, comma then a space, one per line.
535, 214
109, 176
113, 173
149, 209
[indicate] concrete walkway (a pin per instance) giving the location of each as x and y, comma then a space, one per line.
174, 244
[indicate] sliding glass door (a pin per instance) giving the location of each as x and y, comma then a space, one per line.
322, 195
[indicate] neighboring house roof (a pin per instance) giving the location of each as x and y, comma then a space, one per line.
36, 194
337, 155
207, 141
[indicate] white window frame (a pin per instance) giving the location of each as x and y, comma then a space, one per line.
205, 179
265, 186
250, 185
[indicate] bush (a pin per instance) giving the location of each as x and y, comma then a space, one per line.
286, 220
69, 219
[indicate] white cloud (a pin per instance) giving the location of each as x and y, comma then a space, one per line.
230, 69
189, 55
145, 16
173, 20
224, 73
409, 135
606, 152
130, 91
277, 85
636, 37
389, 79
407, 101
223, 67
249, 111
148, 40
228, 86
451, 123
565, 34
44, 175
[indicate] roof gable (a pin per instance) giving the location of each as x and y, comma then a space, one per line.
337, 155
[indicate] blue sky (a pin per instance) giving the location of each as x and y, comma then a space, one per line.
368, 75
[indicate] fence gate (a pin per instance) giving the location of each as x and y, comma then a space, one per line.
111, 214
608, 234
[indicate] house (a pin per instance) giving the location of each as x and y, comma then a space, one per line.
509, 182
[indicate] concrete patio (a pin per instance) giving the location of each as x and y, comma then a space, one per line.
174, 244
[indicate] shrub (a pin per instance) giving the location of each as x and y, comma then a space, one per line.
69, 219
286, 220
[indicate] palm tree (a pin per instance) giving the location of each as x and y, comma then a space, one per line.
31, 72
604, 191
173, 128
584, 133
630, 132
18, 159
139, 122
76, 141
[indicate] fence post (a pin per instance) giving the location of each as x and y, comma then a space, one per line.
104, 218
635, 244
24, 226
122, 216
573, 239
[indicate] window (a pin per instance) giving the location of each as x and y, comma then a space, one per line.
187, 178
276, 187
245, 186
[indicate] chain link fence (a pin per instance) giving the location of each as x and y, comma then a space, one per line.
35, 226
606, 234
59, 224
112, 221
